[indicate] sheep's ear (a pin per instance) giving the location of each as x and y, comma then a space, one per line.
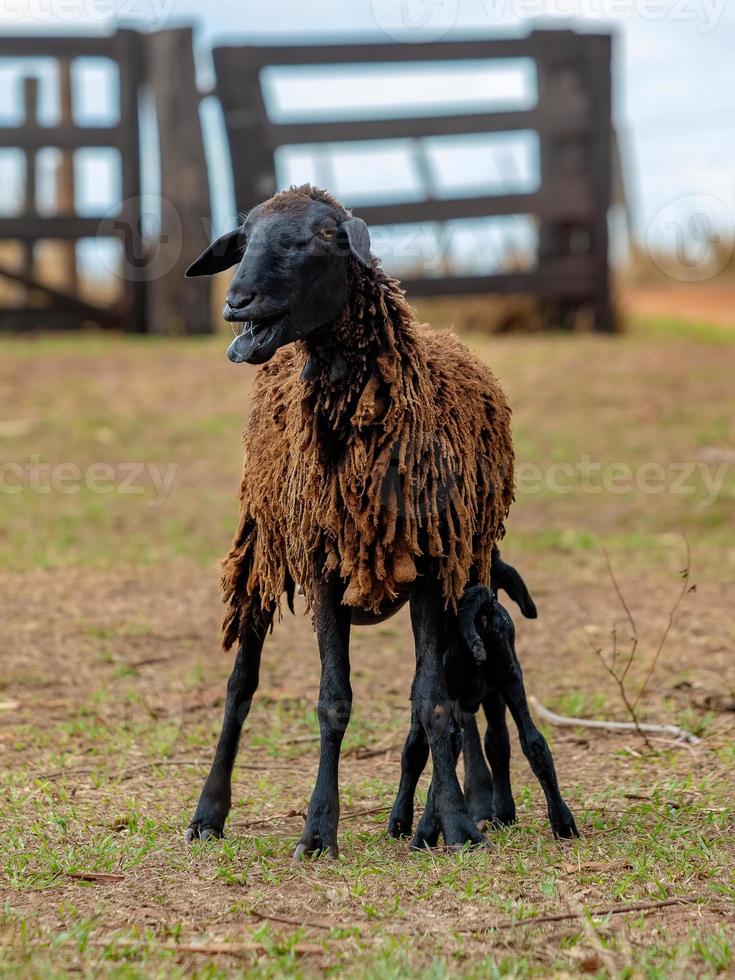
222, 254
358, 238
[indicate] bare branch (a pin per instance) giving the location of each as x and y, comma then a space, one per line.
563, 721
685, 574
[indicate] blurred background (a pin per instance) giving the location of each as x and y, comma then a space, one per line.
552, 179
498, 148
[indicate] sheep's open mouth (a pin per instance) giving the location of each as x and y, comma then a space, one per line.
257, 341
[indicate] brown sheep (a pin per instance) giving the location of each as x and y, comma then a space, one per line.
378, 469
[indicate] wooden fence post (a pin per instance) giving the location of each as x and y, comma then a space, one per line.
177, 305
598, 59
128, 46
65, 178
238, 86
30, 93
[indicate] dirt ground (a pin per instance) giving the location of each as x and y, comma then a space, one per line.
112, 685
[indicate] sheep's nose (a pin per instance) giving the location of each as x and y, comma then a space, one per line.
237, 300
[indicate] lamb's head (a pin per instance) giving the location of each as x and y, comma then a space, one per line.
294, 255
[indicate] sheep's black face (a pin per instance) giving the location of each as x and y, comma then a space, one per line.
293, 272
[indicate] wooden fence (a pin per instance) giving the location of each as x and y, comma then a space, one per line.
572, 118
154, 295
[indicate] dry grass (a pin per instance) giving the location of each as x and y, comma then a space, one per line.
111, 688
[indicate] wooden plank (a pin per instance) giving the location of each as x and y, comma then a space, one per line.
382, 53
418, 127
29, 318
65, 136
63, 227
63, 301
177, 305
571, 280
567, 202
57, 46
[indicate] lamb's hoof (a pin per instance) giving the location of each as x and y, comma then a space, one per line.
400, 822
311, 845
198, 831
427, 835
459, 829
562, 822
482, 810
505, 816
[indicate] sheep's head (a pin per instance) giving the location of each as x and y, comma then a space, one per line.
293, 255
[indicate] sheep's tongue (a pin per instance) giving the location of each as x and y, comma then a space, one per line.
252, 344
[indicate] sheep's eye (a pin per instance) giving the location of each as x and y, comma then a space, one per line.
326, 233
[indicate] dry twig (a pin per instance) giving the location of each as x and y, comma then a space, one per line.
618, 670
611, 726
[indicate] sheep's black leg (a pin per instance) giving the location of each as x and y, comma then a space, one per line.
413, 762
478, 783
500, 636
332, 621
497, 750
214, 802
429, 827
436, 713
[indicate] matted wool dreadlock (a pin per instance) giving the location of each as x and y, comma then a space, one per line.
380, 447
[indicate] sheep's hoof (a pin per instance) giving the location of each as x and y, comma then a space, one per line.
197, 831
312, 846
398, 827
562, 822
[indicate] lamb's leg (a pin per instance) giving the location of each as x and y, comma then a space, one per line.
332, 621
214, 802
436, 713
478, 783
500, 640
413, 762
497, 750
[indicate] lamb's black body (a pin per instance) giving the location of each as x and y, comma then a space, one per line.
481, 668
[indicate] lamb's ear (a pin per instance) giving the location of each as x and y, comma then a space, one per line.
222, 254
358, 238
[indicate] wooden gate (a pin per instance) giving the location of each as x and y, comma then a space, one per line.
572, 118
154, 295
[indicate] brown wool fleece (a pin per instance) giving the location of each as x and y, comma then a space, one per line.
393, 453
